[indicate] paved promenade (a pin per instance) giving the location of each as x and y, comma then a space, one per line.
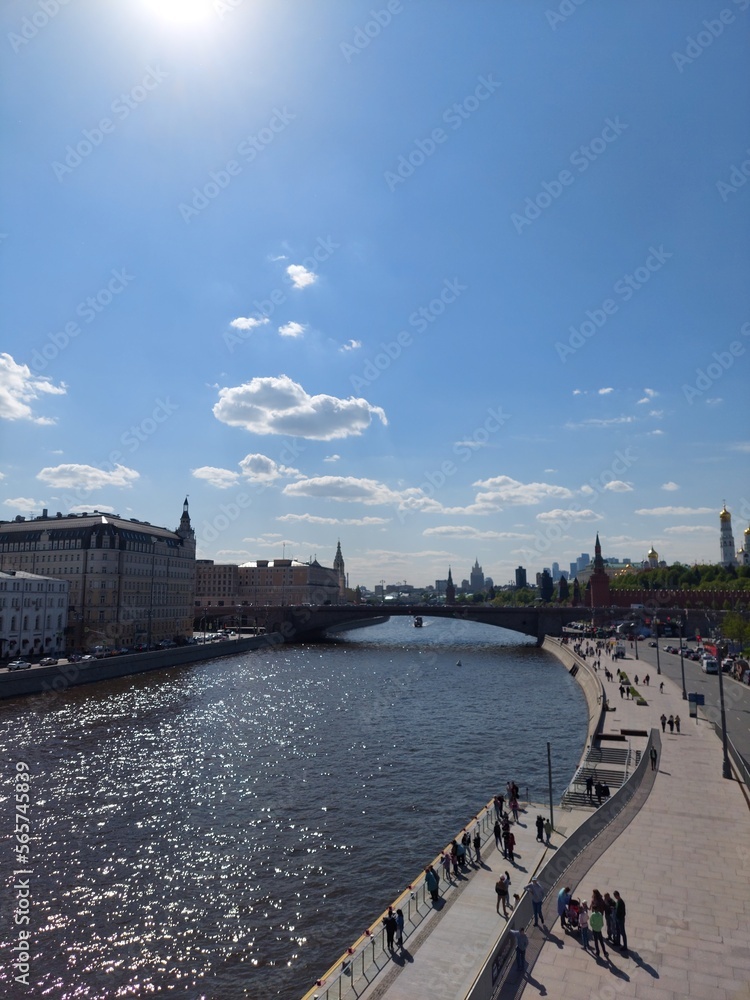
682, 865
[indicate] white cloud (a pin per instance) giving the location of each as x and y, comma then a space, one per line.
87, 477
351, 345
261, 468
332, 458
690, 529
316, 519
503, 489
649, 394
714, 401
467, 531
605, 392
248, 322
222, 479
656, 433
277, 405
656, 413
743, 446
345, 489
83, 508
25, 504
618, 486
670, 486
569, 515
19, 388
292, 329
600, 422
577, 392
300, 276
671, 511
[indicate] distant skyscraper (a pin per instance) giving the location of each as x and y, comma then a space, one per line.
573, 570
555, 572
477, 578
583, 560
520, 576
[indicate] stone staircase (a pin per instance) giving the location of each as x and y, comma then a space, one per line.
609, 765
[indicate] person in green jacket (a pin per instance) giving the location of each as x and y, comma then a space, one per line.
596, 922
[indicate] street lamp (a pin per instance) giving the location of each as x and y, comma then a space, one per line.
726, 771
682, 662
656, 626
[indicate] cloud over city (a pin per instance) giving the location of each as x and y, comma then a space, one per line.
19, 388
87, 477
278, 405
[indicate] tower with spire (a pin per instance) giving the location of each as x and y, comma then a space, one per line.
726, 539
338, 565
599, 581
185, 529
450, 589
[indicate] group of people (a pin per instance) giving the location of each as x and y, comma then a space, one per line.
673, 722
603, 911
394, 924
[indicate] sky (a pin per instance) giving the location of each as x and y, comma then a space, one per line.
441, 281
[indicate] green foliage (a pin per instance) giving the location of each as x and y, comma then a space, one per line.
684, 578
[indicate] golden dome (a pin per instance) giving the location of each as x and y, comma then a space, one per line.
747, 530
652, 553
725, 515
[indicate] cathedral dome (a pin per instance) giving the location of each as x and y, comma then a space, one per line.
725, 515
652, 553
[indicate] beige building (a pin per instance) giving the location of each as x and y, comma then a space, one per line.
129, 581
33, 615
230, 591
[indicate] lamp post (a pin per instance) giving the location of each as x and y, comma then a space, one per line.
658, 664
726, 771
682, 662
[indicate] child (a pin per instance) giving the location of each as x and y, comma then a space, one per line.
583, 923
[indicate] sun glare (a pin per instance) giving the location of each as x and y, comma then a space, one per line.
180, 12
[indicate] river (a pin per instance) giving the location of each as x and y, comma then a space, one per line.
226, 829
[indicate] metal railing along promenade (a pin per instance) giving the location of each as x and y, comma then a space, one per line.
363, 960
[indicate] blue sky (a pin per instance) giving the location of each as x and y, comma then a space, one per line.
443, 281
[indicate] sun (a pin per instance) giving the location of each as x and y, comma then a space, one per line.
180, 12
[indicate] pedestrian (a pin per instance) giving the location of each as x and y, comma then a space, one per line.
461, 852
498, 831
547, 830
432, 881
563, 898
670, 723
510, 845
583, 923
621, 938
501, 892
537, 892
454, 858
540, 829
596, 922
390, 928
522, 943
477, 846
661, 688
609, 916
647, 679
466, 841
622, 691
597, 902
499, 802
514, 808
400, 927
636, 678
677, 723
589, 787
663, 721
446, 862
653, 755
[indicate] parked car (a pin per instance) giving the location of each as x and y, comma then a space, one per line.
652, 644
18, 665
48, 661
88, 658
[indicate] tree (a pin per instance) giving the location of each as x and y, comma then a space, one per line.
563, 589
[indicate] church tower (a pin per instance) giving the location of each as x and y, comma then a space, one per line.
599, 580
338, 565
743, 556
450, 589
726, 539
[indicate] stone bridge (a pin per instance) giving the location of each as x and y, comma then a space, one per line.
298, 624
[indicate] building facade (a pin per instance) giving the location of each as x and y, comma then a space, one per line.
33, 614
130, 582
228, 590
476, 580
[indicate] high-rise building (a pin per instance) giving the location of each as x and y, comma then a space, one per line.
450, 589
476, 578
583, 561
555, 572
130, 582
520, 577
